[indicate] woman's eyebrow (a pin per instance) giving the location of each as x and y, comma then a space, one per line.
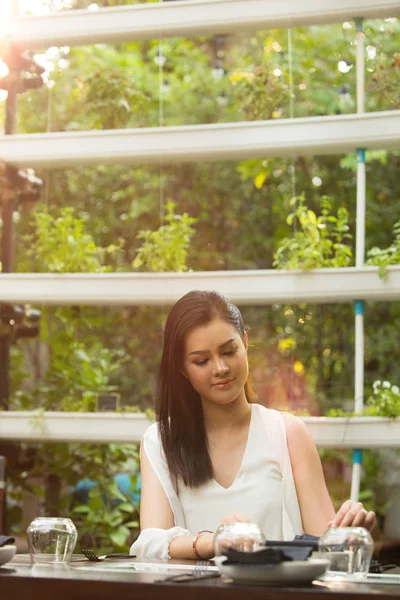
219, 347
227, 343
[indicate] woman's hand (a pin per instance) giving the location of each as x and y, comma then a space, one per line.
239, 540
205, 543
353, 514
234, 518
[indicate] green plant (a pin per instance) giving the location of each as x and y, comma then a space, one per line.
386, 79
321, 240
387, 256
385, 400
260, 92
166, 248
111, 98
339, 412
109, 517
61, 243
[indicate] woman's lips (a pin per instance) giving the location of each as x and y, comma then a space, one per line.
222, 384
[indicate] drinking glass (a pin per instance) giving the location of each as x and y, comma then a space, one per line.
246, 537
349, 551
51, 540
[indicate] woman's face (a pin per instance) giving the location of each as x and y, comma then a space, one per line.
215, 362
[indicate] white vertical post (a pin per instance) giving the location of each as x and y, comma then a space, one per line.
360, 256
360, 208
360, 65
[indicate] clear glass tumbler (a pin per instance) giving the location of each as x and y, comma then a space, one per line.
51, 540
349, 551
246, 537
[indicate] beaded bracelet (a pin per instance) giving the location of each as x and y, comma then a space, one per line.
195, 540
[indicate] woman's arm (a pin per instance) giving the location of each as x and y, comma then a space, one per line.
155, 509
315, 504
316, 507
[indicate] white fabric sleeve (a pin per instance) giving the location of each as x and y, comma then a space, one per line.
154, 543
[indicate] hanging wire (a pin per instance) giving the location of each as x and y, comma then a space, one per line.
292, 167
291, 108
49, 126
161, 123
161, 61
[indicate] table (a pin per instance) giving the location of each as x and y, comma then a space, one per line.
84, 580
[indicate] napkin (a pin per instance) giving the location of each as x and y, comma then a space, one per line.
6, 541
266, 557
275, 552
293, 550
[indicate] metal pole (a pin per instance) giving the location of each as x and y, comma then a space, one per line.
360, 257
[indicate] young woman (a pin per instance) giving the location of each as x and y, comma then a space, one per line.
214, 456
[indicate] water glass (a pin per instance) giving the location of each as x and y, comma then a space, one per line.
246, 537
349, 551
51, 540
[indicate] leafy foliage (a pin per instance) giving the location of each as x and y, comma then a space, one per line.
261, 92
321, 240
109, 516
62, 245
167, 248
385, 400
387, 256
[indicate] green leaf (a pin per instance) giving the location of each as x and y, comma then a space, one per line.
126, 507
119, 536
95, 504
81, 509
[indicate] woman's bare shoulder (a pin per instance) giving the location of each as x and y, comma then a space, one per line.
296, 431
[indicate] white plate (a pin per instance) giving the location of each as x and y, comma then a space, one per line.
286, 573
6, 554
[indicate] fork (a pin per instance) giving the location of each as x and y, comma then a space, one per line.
200, 568
200, 571
93, 557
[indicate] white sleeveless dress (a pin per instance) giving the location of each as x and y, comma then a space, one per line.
263, 490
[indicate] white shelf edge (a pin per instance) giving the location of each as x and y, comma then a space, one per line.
187, 19
34, 426
354, 432
337, 134
252, 287
103, 427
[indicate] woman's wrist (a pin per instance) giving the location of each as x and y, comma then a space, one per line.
205, 546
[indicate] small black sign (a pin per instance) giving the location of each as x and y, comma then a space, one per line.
107, 402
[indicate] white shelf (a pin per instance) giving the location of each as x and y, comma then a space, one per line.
187, 18
223, 141
31, 426
253, 287
103, 427
355, 432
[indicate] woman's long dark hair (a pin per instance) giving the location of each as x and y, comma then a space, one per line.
178, 406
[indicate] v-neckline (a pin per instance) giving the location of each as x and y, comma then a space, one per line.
244, 454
